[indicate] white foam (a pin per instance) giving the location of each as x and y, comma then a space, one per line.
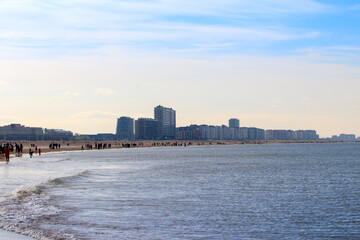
24, 208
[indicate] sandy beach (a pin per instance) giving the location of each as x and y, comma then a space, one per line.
95, 145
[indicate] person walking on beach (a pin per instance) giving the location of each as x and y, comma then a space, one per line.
7, 154
31, 153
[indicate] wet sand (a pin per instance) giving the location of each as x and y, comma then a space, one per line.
82, 145
5, 235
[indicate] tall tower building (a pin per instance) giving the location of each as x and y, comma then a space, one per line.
166, 118
234, 123
125, 128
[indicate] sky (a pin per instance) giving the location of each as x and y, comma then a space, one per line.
274, 64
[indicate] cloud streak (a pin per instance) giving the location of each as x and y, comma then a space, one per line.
69, 26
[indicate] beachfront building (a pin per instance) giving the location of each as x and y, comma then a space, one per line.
146, 129
225, 132
20, 132
192, 132
243, 133
306, 135
344, 137
102, 137
213, 133
57, 134
166, 118
256, 134
206, 132
125, 128
234, 133
234, 123
17, 132
280, 135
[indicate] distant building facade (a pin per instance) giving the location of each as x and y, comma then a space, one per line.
291, 135
125, 128
102, 137
17, 132
57, 134
192, 132
256, 134
166, 118
306, 135
20, 132
344, 137
280, 135
146, 129
234, 123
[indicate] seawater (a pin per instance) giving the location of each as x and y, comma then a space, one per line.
280, 191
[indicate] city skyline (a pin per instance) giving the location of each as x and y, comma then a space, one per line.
147, 129
272, 64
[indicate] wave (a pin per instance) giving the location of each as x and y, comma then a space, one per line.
25, 210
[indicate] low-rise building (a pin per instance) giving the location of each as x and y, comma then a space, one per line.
57, 134
20, 132
344, 137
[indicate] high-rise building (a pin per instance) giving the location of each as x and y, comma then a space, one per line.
146, 129
234, 123
125, 128
166, 118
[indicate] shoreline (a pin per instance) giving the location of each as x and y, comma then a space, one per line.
118, 144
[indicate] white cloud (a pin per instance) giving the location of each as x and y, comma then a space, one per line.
335, 54
77, 25
182, 36
110, 9
343, 48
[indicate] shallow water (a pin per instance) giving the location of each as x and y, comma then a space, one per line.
288, 191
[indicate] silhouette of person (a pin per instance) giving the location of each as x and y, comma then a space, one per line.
7, 154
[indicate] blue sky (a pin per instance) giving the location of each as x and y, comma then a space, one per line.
267, 27
62, 50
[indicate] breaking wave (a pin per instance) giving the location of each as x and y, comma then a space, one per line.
25, 210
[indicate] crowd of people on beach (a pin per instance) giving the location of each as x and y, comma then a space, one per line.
97, 145
18, 148
7, 148
54, 145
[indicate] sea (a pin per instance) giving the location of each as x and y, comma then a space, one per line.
256, 191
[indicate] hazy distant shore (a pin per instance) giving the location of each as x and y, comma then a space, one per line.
85, 145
